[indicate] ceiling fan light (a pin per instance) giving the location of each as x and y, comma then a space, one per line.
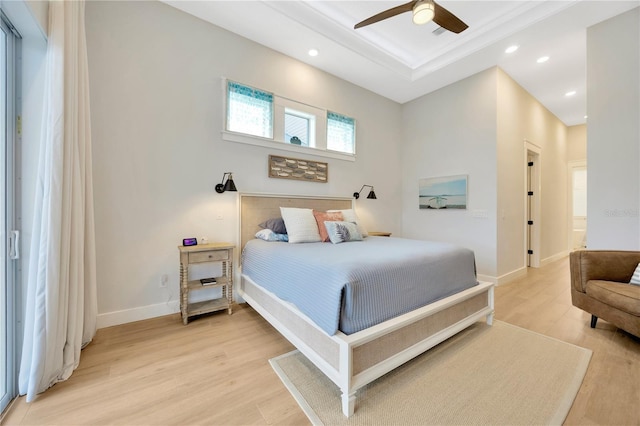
423, 12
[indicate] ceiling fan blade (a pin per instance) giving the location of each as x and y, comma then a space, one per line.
448, 20
407, 7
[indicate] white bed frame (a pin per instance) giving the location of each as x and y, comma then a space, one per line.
352, 361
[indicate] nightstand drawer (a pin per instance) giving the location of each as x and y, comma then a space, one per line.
208, 256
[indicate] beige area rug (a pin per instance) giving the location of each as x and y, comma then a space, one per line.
499, 375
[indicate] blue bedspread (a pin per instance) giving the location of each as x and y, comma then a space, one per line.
352, 286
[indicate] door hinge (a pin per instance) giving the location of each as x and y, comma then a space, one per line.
529, 251
530, 193
530, 163
530, 222
19, 125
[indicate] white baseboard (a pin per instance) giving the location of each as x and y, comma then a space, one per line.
487, 278
504, 279
513, 275
520, 272
137, 314
555, 257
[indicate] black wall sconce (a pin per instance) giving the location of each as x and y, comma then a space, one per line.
372, 195
226, 186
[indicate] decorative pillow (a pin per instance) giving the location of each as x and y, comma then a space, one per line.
351, 216
269, 235
635, 279
301, 225
342, 232
276, 224
321, 217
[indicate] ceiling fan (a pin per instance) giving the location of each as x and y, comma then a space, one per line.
423, 12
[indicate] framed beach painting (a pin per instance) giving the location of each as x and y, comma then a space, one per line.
448, 192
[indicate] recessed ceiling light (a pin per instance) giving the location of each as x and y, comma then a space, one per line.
511, 49
542, 59
313, 52
585, 117
571, 93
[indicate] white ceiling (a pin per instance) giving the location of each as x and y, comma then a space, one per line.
403, 61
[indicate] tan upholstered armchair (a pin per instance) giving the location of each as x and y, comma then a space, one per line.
599, 286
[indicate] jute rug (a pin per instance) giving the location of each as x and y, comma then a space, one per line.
499, 375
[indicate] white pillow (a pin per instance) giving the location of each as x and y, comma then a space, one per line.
301, 225
269, 235
349, 215
635, 279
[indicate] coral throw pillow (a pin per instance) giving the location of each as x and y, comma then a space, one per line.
321, 217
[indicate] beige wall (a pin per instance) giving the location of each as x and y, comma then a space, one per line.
613, 139
452, 131
577, 143
157, 114
478, 126
522, 118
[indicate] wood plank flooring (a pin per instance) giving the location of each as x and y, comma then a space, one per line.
215, 370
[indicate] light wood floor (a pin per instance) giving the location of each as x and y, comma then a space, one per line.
216, 370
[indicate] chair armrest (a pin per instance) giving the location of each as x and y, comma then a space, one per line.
607, 265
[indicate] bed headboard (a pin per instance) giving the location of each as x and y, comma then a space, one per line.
256, 208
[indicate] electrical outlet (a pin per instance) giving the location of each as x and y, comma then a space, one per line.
164, 280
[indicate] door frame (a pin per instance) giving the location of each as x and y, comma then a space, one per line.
532, 149
571, 165
12, 173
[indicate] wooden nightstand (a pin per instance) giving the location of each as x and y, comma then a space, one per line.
214, 252
380, 234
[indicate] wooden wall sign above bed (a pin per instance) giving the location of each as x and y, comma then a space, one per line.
293, 168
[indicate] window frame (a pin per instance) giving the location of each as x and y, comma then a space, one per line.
310, 126
11, 111
271, 111
280, 109
327, 130
280, 104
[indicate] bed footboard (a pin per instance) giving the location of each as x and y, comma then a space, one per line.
352, 361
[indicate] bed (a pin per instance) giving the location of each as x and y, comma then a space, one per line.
356, 359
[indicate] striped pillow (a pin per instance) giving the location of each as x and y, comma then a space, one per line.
635, 279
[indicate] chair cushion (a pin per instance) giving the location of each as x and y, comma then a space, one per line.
622, 296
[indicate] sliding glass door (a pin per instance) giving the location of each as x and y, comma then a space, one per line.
9, 237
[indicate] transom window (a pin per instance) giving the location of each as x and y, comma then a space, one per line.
297, 127
259, 117
341, 132
249, 110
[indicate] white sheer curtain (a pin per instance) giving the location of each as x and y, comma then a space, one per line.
61, 295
